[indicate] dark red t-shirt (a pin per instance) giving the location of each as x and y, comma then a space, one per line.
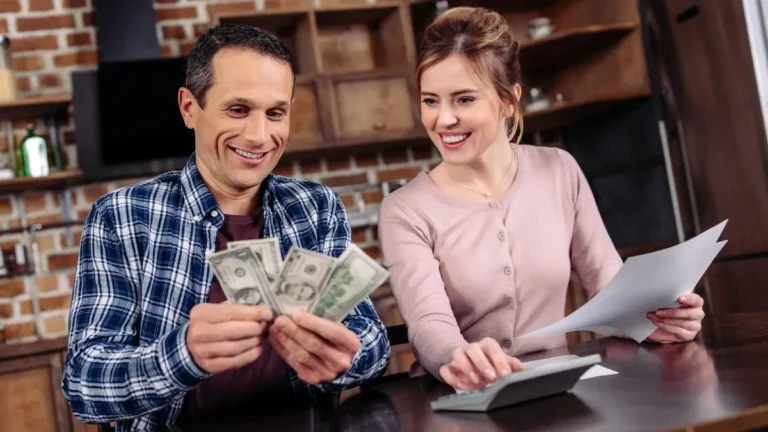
260, 383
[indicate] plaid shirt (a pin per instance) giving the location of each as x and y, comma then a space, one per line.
141, 270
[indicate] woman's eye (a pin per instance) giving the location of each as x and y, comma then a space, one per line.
465, 100
429, 101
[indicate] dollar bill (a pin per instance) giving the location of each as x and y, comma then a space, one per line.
242, 278
353, 278
267, 251
302, 279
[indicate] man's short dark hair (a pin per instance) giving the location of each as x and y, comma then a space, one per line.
199, 78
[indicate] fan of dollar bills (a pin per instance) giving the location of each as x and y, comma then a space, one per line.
252, 272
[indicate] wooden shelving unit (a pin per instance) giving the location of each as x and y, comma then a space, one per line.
564, 114
53, 181
40, 106
564, 47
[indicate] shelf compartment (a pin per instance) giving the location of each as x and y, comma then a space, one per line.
306, 130
293, 28
567, 46
373, 104
53, 181
362, 39
567, 113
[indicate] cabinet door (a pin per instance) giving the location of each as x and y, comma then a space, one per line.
373, 106
30, 395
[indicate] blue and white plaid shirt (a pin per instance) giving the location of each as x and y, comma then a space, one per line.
141, 270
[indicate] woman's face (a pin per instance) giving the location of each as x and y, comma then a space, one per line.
461, 111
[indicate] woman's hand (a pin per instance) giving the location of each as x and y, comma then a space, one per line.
680, 324
477, 365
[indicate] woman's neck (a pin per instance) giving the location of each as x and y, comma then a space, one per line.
489, 170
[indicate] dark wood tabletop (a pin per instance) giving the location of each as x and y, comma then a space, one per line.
719, 382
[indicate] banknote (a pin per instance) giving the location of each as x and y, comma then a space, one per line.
242, 278
267, 251
301, 279
354, 276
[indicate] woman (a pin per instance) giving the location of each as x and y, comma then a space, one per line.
480, 249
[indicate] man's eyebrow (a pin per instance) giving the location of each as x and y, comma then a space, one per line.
249, 102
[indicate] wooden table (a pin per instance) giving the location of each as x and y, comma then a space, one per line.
717, 383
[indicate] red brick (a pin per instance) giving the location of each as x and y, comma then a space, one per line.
83, 214
228, 8
79, 39
372, 196
62, 261
283, 169
175, 13
11, 287
367, 159
48, 81
94, 192
88, 57
297, 4
55, 324
71, 279
337, 163
40, 5
45, 220
46, 243
47, 283
55, 303
4, 145
6, 206
88, 19
174, 32
3, 25
25, 308
394, 156
353, 179
359, 235
45, 23
34, 203
186, 48
310, 166
23, 84
348, 200
397, 174
28, 63
34, 43
13, 224
374, 252
19, 330
422, 152
6, 310
166, 50
10, 6
77, 236
72, 4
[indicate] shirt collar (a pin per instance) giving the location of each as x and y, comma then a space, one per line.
199, 199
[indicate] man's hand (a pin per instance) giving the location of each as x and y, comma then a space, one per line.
316, 348
477, 365
225, 336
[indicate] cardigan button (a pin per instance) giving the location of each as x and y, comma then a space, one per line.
507, 271
506, 343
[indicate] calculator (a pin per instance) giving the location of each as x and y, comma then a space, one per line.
532, 383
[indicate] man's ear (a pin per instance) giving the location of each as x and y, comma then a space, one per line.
188, 106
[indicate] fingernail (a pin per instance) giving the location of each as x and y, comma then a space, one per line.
683, 299
265, 315
505, 372
460, 386
475, 379
490, 374
661, 313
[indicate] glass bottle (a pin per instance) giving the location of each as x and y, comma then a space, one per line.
34, 152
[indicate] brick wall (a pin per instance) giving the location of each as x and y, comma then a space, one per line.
53, 37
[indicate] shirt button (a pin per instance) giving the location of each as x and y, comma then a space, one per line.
214, 213
501, 235
506, 343
494, 205
507, 271
196, 218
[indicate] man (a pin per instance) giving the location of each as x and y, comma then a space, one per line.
151, 339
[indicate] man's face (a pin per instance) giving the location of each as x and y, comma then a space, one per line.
241, 133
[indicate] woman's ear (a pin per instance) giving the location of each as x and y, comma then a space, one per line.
509, 106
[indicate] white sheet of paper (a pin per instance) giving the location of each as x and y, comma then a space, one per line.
644, 283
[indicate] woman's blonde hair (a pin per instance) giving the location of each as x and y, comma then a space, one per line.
484, 38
